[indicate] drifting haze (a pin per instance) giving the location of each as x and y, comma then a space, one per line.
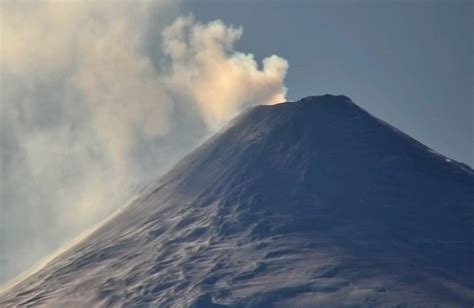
100, 96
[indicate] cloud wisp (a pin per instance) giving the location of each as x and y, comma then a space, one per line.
92, 106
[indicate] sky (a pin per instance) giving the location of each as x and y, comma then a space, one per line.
100, 97
410, 63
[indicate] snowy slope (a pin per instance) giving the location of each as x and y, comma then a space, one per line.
302, 204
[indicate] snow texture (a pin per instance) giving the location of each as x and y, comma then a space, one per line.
313, 203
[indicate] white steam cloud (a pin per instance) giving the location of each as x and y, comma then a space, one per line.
92, 104
217, 78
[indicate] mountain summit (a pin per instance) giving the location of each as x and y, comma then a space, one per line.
312, 203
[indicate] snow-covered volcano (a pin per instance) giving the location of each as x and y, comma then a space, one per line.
312, 203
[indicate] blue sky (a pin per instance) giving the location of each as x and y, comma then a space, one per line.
407, 62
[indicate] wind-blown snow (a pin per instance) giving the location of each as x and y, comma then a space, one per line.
305, 204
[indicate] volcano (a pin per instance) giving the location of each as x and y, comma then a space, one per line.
313, 203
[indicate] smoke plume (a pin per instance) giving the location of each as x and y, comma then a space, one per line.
218, 79
93, 106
